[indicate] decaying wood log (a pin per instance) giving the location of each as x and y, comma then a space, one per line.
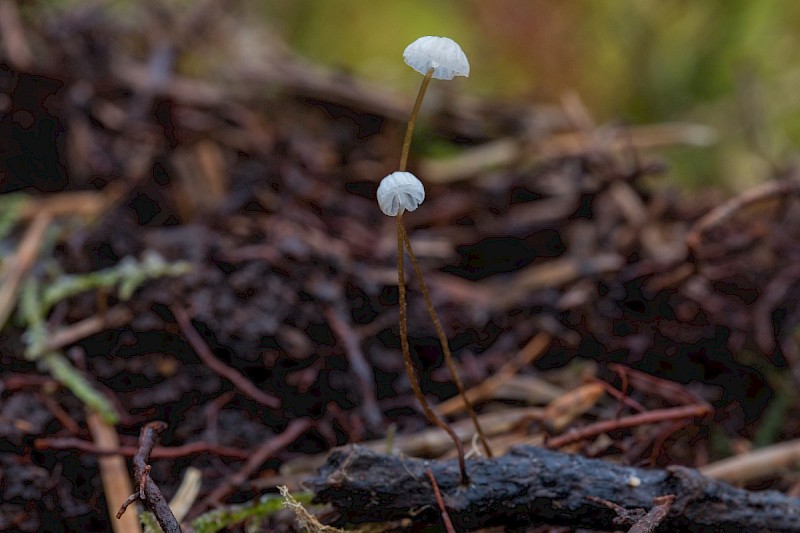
530, 486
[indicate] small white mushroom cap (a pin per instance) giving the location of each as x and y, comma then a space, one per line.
442, 54
398, 192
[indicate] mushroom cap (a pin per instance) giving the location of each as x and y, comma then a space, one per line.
398, 192
442, 54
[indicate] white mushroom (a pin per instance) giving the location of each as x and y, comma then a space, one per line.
441, 54
398, 192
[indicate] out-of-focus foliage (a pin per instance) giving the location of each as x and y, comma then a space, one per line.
727, 63
731, 64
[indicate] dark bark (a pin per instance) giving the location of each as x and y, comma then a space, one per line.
148, 490
537, 486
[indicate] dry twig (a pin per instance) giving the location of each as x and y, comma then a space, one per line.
204, 352
148, 490
113, 473
296, 427
756, 464
639, 419
555, 488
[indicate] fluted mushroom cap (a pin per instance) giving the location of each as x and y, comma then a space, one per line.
398, 192
442, 54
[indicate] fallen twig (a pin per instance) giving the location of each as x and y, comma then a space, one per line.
14, 36
296, 427
650, 417
113, 473
358, 363
148, 490
723, 212
649, 522
532, 350
756, 464
159, 452
640, 521
555, 488
448, 524
204, 352
112, 319
22, 262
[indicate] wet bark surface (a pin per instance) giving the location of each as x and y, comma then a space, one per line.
531, 486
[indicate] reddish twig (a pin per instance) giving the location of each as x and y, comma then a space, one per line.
358, 364
448, 524
772, 294
61, 415
204, 352
649, 522
623, 389
621, 396
668, 390
159, 452
636, 518
111, 319
257, 457
211, 411
21, 262
148, 490
651, 417
723, 212
14, 37
14, 382
624, 515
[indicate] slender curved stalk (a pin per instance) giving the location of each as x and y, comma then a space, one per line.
412, 377
448, 356
413, 120
403, 242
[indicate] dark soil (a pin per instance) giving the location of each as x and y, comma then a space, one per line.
266, 183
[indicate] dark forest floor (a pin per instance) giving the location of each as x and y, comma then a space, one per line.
574, 286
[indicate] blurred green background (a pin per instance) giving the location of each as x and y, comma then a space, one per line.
730, 64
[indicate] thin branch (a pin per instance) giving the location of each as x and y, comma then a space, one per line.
159, 452
148, 490
448, 524
244, 385
640, 419
296, 427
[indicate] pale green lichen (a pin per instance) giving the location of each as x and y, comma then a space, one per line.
36, 301
10, 211
251, 513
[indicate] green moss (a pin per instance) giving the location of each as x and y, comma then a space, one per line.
37, 299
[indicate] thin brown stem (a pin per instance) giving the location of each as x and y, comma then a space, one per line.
448, 524
148, 490
412, 377
448, 356
413, 120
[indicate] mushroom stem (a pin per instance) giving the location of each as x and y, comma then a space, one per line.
448, 356
413, 120
412, 377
